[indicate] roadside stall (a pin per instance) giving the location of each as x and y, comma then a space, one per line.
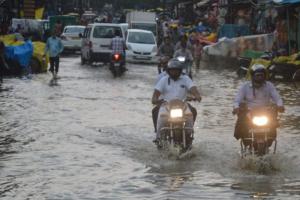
20, 54
289, 25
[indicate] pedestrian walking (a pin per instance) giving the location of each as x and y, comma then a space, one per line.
198, 48
25, 64
54, 47
58, 28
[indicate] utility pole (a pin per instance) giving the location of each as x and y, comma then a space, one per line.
80, 8
193, 13
19, 8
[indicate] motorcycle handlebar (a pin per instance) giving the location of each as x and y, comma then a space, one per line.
243, 109
190, 99
161, 101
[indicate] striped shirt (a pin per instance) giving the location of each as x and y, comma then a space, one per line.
117, 45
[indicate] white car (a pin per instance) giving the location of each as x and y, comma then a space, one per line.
96, 39
70, 37
141, 46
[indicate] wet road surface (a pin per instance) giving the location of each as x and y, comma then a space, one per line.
90, 137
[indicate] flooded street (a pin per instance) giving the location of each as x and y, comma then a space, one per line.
90, 137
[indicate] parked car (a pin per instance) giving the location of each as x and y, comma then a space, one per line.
71, 39
96, 39
141, 46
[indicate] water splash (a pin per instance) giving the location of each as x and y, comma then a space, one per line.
268, 164
174, 153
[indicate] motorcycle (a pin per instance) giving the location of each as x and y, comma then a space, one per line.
117, 65
176, 134
283, 71
296, 79
262, 124
187, 65
244, 63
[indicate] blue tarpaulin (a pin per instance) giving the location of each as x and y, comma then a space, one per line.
233, 30
20, 53
201, 28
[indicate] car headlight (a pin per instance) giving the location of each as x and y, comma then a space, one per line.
260, 121
176, 113
129, 47
154, 50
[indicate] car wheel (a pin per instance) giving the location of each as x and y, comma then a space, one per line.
82, 60
90, 59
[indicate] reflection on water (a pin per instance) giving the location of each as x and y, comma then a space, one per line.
258, 187
177, 182
291, 118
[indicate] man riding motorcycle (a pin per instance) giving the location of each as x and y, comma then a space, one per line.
175, 85
156, 108
187, 56
165, 51
118, 46
257, 93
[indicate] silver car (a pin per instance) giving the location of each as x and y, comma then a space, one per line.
71, 39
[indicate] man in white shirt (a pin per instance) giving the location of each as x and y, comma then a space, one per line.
183, 51
165, 51
255, 93
175, 85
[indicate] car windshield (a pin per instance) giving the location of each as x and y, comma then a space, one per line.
89, 16
105, 31
141, 38
144, 26
74, 30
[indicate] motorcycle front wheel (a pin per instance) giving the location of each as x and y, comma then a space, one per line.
261, 149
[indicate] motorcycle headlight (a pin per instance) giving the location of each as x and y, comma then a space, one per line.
181, 59
260, 121
176, 113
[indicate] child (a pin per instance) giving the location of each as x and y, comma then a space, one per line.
198, 48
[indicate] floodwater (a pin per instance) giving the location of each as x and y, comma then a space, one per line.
90, 137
